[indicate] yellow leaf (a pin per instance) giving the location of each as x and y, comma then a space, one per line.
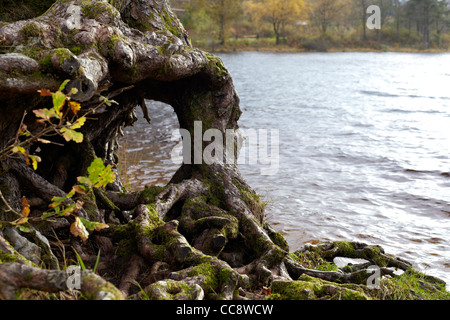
74, 106
72, 135
34, 161
20, 221
79, 230
79, 123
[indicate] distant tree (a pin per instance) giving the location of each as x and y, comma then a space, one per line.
215, 16
278, 13
426, 14
324, 13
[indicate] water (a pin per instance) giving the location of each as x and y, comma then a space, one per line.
364, 148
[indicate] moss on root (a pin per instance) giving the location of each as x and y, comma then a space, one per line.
309, 288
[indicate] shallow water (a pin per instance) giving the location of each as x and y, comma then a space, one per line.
364, 141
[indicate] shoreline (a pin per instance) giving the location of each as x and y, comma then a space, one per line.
289, 49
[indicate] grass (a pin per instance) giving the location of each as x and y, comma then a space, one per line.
411, 285
127, 161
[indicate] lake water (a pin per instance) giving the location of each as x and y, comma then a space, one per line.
364, 148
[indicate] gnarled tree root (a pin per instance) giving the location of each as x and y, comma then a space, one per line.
17, 275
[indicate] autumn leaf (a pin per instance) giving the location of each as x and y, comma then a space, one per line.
72, 135
19, 149
92, 225
79, 123
26, 207
34, 161
84, 180
45, 113
79, 189
79, 205
74, 106
45, 93
79, 230
19, 221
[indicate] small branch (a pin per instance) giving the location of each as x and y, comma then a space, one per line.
9, 209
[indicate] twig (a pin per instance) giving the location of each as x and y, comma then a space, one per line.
8, 206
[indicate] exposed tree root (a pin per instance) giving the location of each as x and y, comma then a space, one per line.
16, 276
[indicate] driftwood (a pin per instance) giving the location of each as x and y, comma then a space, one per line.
199, 237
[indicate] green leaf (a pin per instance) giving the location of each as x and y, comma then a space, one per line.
92, 225
23, 228
106, 176
47, 214
68, 210
59, 99
56, 201
72, 135
63, 85
94, 170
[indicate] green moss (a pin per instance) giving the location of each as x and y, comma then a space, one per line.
149, 193
45, 64
215, 278
279, 240
170, 23
76, 50
31, 30
345, 248
170, 290
93, 9
309, 288
216, 65
6, 257
98, 286
62, 54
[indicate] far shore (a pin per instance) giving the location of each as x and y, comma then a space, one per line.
233, 46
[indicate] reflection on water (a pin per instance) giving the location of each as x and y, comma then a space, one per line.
364, 147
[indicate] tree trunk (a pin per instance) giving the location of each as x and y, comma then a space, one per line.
203, 233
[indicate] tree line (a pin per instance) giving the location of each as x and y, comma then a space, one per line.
405, 23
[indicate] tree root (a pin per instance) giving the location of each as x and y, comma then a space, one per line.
16, 275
